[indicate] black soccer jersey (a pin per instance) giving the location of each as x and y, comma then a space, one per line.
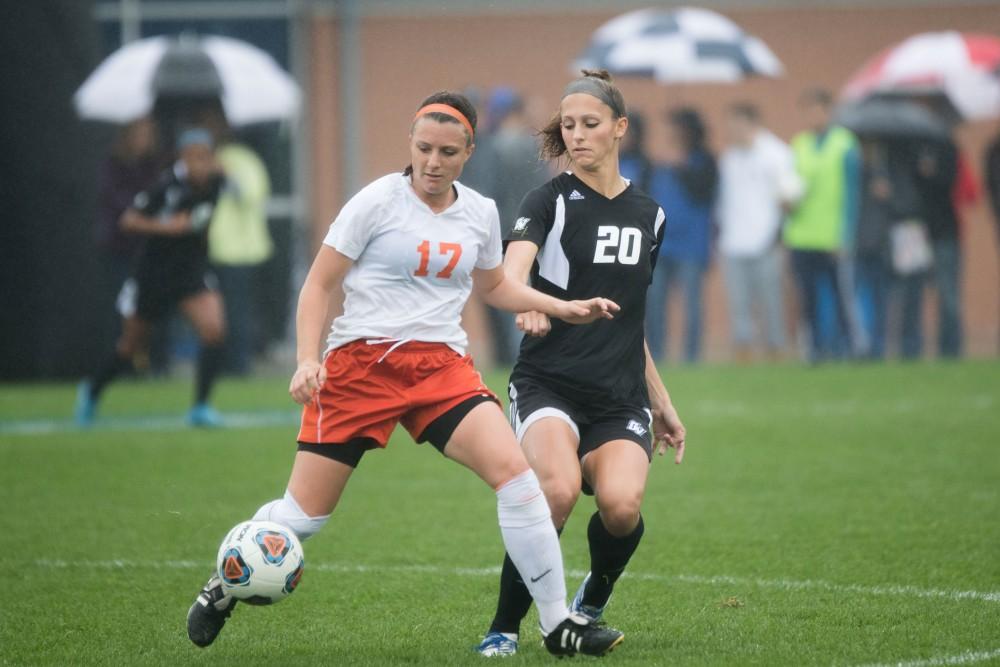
590, 246
165, 256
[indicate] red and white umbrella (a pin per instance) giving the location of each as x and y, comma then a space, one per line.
962, 67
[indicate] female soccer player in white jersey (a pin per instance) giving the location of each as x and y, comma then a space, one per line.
406, 251
587, 403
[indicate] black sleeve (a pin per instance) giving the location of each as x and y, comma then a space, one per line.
535, 217
700, 178
150, 202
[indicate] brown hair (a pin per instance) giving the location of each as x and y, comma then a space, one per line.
597, 83
457, 101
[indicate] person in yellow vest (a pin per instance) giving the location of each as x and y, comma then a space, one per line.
239, 243
820, 229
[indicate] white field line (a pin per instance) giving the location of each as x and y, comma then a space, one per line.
891, 590
967, 658
176, 422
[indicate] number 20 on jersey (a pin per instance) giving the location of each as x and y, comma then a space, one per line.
623, 245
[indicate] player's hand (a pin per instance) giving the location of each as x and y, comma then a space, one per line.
307, 380
584, 312
533, 323
668, 431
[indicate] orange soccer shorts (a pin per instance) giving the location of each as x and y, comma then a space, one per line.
370, 388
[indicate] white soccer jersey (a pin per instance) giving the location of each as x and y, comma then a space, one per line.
412, 270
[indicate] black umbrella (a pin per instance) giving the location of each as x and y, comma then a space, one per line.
186, 71
892, 118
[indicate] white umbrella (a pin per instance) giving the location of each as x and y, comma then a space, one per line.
686, 45
252, 86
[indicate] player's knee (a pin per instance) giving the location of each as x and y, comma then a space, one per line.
561, 495
620, 512
287, 512
130, 344
213, 335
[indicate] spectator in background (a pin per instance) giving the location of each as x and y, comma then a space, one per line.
239, 242
872, 257
945, 185
685, 186
757, 183
909, 250
820, 230
480, 171
992, 175
132, 166
633, 162
517, 170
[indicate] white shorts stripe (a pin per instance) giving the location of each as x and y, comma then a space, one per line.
524, 424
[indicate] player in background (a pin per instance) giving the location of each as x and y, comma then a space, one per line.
171, 271
407, 250
586, 403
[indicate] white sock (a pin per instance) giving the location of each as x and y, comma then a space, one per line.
533, 546
288, 513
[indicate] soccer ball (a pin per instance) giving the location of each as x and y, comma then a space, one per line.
260, 562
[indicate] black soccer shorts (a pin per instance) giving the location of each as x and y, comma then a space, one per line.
594, 424
151, 297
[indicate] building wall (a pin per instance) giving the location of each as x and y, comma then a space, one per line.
405, 58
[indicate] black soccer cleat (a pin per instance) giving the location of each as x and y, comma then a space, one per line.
209, 613
578, 635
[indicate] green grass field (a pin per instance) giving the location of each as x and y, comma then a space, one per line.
842, 515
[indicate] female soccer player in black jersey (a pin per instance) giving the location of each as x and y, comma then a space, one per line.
587, 404
171, 271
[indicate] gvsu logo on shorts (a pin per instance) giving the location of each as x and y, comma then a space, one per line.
636, 428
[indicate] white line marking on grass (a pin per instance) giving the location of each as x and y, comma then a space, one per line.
719, 580
967, 658
178, 422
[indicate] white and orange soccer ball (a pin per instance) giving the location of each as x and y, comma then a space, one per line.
260, 562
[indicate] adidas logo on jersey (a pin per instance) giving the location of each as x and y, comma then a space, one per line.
636, 427
575, 195
521, 224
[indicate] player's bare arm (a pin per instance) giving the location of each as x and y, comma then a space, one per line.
499, 291
312, 319
667, 427
517, 263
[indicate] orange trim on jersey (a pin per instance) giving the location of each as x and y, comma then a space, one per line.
447, 110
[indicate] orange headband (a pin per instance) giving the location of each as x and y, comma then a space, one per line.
447, 110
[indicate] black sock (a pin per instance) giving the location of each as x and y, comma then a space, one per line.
114, 366
514, 601
210, 360
608, 557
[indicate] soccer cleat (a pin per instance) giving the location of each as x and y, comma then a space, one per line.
592, 614
577, 635
209, 613
204, 415
86, 406
497, 644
